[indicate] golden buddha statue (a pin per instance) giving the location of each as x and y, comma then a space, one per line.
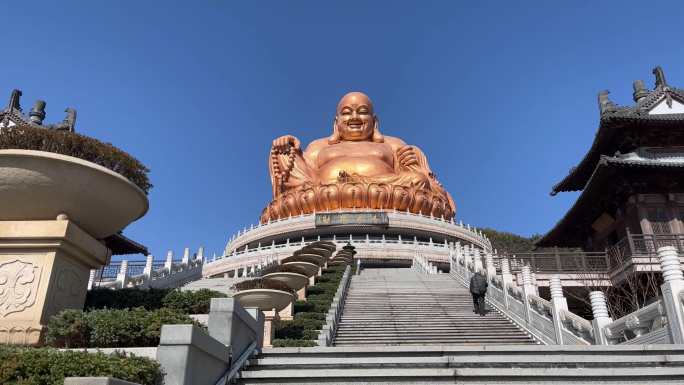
356, 167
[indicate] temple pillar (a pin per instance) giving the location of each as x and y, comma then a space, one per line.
45, 266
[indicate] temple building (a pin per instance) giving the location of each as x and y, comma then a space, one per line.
631, 180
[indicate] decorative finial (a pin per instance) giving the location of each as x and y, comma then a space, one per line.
37, 113
70, 120
14, 100
640, 90
605, 104
660, 77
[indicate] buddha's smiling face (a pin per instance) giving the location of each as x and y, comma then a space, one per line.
355, 119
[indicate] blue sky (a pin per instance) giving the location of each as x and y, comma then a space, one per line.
500, 95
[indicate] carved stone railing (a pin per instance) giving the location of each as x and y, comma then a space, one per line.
242, 262
647, 325
559, 262
150, 274
397, 219
551, 322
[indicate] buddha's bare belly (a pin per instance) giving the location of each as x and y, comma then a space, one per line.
365, 166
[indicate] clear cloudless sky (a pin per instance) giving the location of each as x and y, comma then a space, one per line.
500, 95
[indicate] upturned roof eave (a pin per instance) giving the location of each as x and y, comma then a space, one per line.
554, 237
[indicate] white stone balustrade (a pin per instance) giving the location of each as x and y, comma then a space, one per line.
169, 276
398, 219
661, 322
367, 249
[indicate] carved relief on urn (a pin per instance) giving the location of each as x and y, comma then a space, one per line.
18, 286
356, 167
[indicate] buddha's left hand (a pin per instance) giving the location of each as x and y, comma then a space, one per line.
407, 156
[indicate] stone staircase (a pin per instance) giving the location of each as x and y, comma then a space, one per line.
458, 364
405, 307
401, 327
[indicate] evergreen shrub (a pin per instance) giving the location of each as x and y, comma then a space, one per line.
46, 366
150, 299
111, 328
78, 146
191, 302
290, 343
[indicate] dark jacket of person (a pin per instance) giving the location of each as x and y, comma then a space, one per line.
478, 284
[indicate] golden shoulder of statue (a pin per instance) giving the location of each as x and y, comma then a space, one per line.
356, 167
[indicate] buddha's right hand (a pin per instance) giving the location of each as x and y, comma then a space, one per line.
283, 143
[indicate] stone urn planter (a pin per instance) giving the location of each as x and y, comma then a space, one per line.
54, 211
268, 301
294, 281
38, 185
264, 299
307, 257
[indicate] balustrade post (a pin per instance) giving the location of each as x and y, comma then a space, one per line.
200, 254
534, 283
147, 271
558, 304
601, 317
186, 256
168, 263
671, 290
506, 278
122, 275
491, 270
528, 289
91, 279
477, 261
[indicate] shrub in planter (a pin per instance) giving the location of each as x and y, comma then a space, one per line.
191, 302
310, 315
299, 328
291, 343
303, 306
262, 284
316, 289
111, 328
79, 146
45, 366
101, 298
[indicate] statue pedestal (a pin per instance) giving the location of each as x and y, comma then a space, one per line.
44, 268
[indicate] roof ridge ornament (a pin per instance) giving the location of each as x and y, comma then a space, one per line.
659, 77
640, 91
14, 103
605, 104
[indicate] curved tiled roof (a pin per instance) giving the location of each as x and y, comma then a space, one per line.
612, 130
601, 184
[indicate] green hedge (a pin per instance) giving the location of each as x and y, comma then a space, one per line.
189, 302
101, 298
45, 366
111, 328
309, 315
79, 146
290, 343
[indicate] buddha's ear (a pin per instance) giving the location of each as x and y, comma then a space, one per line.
377, 136
335, 137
